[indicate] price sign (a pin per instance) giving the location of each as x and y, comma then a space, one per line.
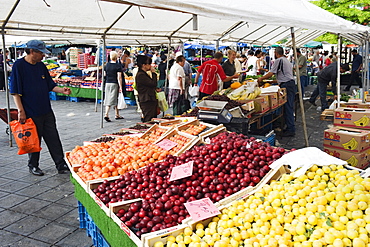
166, 144
201, 209
182, 171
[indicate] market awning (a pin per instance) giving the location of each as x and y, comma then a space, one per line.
313, 44
254, 22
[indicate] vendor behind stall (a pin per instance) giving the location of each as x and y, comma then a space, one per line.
211, 71
283, 70
229, 67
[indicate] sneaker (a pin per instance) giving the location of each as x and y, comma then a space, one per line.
36, 171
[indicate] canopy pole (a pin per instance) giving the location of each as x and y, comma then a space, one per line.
217, 45
6, 88
338, 68
201, 54
167, 65
299, 88
103, 83
97, 77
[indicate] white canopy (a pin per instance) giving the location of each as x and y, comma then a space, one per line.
143, 21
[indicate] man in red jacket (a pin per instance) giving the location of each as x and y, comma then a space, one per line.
211, 70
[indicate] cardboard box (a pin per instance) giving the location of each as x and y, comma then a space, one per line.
351, 140
273, 100
282, 96
367, 98
261, 103
359, 160
248, 105
355, 105
352, 117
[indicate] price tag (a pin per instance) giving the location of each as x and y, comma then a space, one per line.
182, 171
166, 144
201, 209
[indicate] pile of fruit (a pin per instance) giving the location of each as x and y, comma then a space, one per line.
327, 206
244, 94
104, 139
140, 127
192, 113
154, 134
181, 142
220, 169
195, 129
115, 158
122, 133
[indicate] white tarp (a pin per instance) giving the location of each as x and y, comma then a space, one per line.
257, 22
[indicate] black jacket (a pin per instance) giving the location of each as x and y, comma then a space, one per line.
146, 86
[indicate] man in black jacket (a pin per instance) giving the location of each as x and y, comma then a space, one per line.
328, 74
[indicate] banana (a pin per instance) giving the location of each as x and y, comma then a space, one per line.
257, 91
364, 121
352, 161
351, 145
244, 96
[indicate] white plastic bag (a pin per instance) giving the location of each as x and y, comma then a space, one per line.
121, 102
194, 91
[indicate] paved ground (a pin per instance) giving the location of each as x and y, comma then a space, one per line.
42, 211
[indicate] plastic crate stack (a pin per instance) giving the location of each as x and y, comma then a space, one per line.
83, 60
73, 55
91, 229
54, 96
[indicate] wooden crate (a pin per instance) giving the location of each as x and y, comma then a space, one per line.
170, 123
172, 132
197, 122
153, 128
93, 184
113, 209
74, 169
206, 136
327, 115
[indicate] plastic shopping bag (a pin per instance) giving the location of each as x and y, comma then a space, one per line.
26, 136
194, 91
121, 102
162, 102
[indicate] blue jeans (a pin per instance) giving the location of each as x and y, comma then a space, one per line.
304, 82
289, 105
320, 90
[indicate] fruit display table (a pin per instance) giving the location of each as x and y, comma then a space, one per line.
88, 93
111, 231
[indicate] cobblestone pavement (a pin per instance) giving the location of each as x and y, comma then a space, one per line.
42, 211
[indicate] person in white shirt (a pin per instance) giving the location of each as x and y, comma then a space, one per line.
252, 61
176, 83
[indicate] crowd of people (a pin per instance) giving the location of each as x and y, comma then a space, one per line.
175, 75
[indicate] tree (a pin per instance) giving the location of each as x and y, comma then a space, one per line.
357, 11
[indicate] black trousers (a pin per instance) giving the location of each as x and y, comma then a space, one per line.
355, 77
47, 129
2, 79
149, 110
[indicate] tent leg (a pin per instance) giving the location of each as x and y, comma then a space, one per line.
6, 88
299, 89
168, 60
103, 83
338, 69
97, 78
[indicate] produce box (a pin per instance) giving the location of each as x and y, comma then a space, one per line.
367, 98
74, 168
352, 117
150, 239
327, 115
261, 104
206, 136
359, 160
170, 123
248, 105
273, 100
195, 127
351, 140
155, 132
113, 209
180, 148
93, 184
355, 105
282, 96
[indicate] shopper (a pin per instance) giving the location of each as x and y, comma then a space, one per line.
30, 86
162, 68
146, 88
113, 85
302, 65
2, 73
229, 67
176, 83
252, 63
188, 75
328, 74
283, 70
211, 70
355, 71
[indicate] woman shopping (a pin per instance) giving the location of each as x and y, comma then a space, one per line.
146, 87
113, 86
